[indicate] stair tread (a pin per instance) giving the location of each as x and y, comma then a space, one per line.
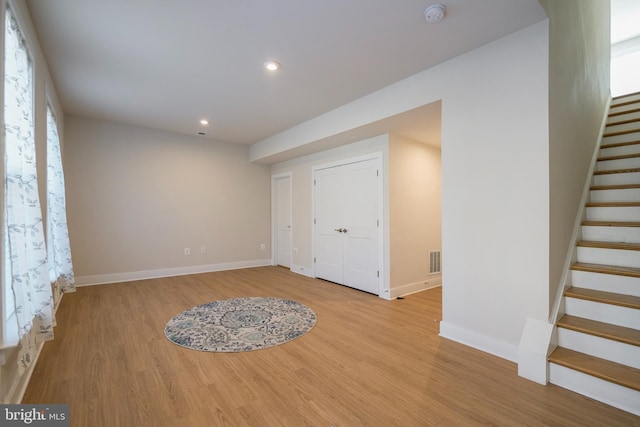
606, 269
617, 100
608, 172
620, 113
614, 187
623, 122
604, 297
617, 373
600, 329
619, 144
610, 224
609, 245
621, 132
620, 157
612, 204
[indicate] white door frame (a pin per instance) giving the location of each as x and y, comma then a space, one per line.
382, 285
274, 216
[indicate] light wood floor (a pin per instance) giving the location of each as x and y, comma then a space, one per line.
367, 362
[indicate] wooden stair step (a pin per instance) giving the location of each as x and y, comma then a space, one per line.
621, 132
630, 170
620, 144
621, 157
606, 269
612, 204
600, 329
625, 99
623, 122
620, 300
615, 187
617, 373
620, 113
610, 224
609, 245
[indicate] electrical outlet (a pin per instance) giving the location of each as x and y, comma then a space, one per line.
263, 247
187, 251
203, 250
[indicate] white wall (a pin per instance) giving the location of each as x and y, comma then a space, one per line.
495, 192
495, 180
137, 197
580, 48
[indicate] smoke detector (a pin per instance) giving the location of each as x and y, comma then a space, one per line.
435, 12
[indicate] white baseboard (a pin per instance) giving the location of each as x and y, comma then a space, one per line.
20, 382
479, 341
429, 283
16, 393
102, 279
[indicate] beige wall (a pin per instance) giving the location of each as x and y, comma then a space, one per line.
302, 197
411, 198
415, 209
137, 197
579, 57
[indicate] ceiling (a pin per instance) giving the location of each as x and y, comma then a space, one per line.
625, 16
167, 64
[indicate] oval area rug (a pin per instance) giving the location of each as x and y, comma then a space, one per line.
240, 324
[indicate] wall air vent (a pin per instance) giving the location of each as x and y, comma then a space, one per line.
434, 262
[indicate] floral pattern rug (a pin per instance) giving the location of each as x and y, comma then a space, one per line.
240, 324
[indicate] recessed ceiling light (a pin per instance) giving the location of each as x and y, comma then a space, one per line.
272, 65
435, 12
204, 122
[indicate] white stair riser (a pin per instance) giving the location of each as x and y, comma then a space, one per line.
615, 351
608, 313
611, 234
603, 391
606, 282
619, 151
626, 127
631, 213
627, 137
623, 117
620, 195
608, 165
618, 257
625, 99
617, 178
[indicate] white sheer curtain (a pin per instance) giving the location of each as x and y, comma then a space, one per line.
59, 250
25, 236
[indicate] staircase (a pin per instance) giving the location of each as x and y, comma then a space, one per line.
598, 353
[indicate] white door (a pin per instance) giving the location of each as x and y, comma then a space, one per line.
283, 221
347, 219
329, 244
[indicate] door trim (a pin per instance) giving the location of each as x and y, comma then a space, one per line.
274, 217
378, 155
